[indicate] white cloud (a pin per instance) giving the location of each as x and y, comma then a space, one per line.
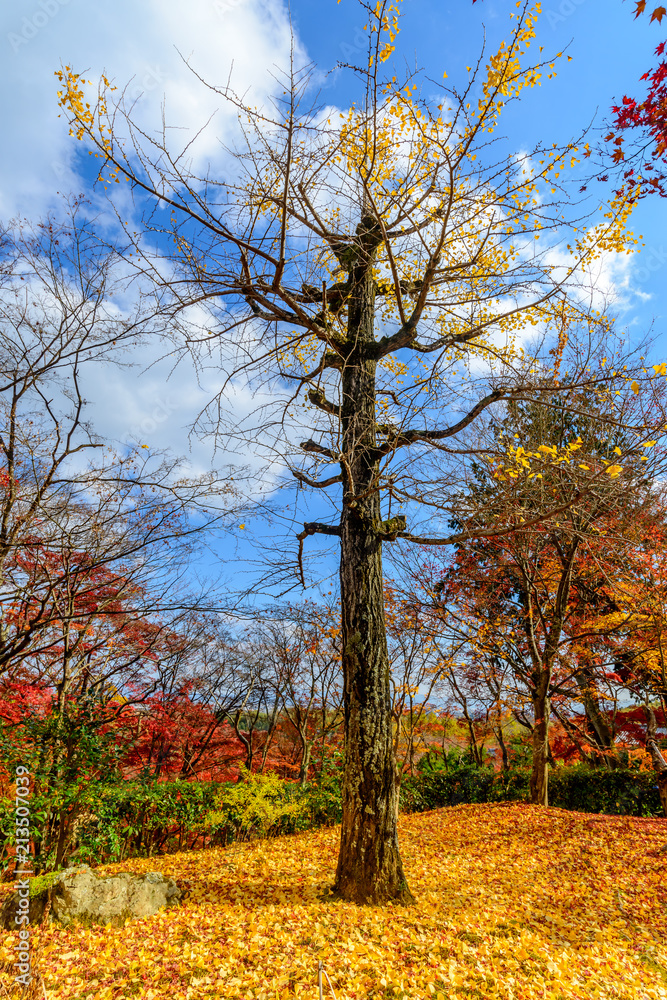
129, 41
607, 283
155, 403
141, 46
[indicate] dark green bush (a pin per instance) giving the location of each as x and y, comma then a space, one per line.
512, 785
440, 782
451, 779
445, 779
617, 792
73, 765
114, 821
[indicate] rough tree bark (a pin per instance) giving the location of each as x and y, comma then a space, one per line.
369, 864
539, 777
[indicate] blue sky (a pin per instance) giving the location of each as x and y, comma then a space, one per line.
138, 40
609, 48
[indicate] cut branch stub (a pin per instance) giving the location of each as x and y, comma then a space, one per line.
318, 398
313, 528
389, 530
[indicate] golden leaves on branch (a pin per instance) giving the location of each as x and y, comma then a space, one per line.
88, 121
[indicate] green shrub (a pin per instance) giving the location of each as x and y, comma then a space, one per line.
512, 785
450, 779
616, 792
143, 818
445, 780
116, 819
72, 764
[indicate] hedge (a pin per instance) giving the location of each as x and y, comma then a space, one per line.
442, 781
142, 818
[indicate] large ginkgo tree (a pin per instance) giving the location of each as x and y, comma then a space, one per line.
400, 270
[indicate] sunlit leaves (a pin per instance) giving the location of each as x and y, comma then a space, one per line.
657, 13
646, 120
514, 902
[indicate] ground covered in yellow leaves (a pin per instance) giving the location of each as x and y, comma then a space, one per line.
514, 901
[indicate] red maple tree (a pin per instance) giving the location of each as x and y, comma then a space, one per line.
643, 122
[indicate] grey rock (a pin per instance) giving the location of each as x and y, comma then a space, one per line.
79, 894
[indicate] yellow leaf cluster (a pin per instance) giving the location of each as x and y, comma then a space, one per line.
87, 121
518, 459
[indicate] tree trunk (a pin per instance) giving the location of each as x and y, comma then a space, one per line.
657, 758
503, 747
270, 729
601, 731
369, 864
660, 768
473, 749
62, 838
662, 790
539, 778
246, 741
305, 761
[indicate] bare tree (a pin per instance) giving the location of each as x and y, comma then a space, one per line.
302, 647
71, 508
417, 668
